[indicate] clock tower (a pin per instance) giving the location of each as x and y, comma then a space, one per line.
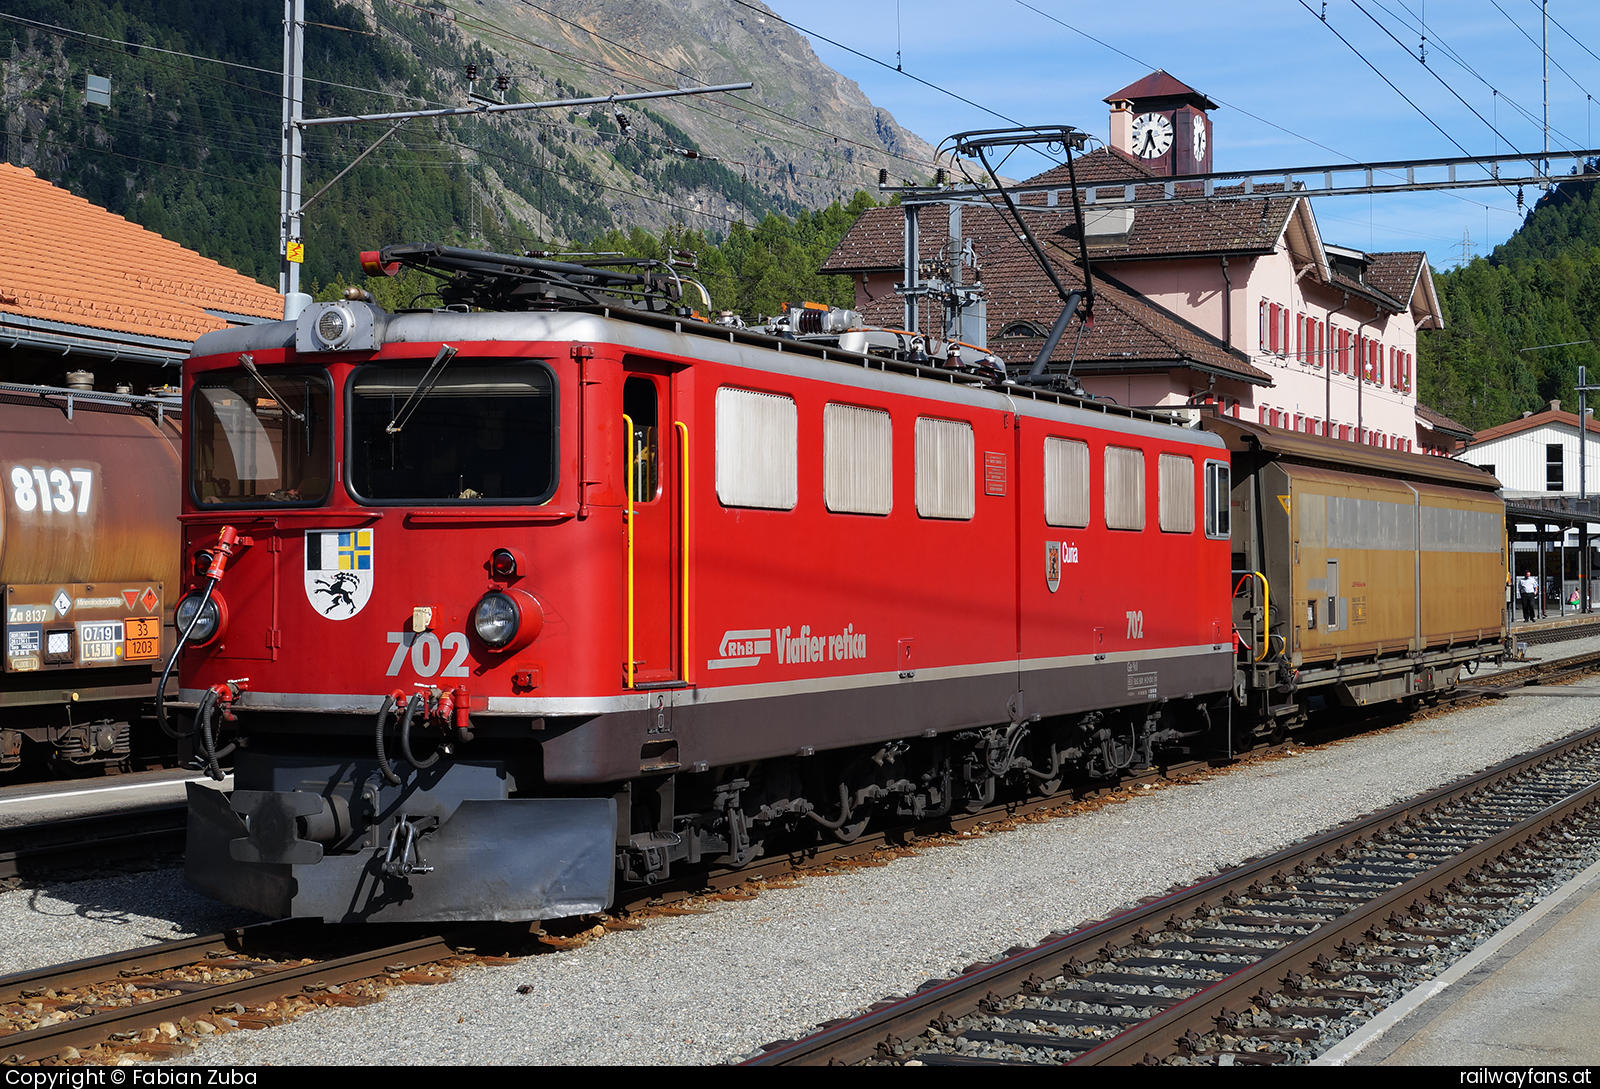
1164, 123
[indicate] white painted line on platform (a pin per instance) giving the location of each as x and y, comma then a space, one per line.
108, 790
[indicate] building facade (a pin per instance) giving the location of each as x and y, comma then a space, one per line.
1327, 335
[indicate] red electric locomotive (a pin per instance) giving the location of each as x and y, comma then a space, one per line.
501, 608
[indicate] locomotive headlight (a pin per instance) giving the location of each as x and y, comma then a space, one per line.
496, 620
507, 620
209, 623
334, 326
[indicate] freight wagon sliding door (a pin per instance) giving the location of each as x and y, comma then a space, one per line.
655, 601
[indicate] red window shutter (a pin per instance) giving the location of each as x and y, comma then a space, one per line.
1273, 334
1300, 337
1263, 414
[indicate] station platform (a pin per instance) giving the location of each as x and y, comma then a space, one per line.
1528, 997
1554, 625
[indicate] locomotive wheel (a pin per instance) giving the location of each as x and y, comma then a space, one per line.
1045, 787
980, 794
849, 833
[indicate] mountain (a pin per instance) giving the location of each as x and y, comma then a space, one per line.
189, 147
1540, 290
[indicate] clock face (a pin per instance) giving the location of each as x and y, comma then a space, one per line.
1152, 135
1199, 142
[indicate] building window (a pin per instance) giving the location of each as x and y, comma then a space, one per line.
1554, 463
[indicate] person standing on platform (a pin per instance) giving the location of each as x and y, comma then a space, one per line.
1528, 590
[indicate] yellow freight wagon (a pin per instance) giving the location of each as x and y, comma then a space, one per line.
1361, 575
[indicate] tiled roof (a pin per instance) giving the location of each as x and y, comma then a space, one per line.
1367, 291
1179, 229
69, 261
1201, 228
1438, 421
875, 241
1159, 84
1538, 419
1128, 333
1395, 274
1103, 164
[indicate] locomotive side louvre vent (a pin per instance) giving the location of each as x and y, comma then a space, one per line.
858, 460
1066, 482
758, 444
946, 469
1124, 488
1177, 493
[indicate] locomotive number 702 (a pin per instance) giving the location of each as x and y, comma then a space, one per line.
427, 652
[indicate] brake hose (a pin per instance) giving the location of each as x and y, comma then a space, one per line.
405, 737
383, 760
161, 689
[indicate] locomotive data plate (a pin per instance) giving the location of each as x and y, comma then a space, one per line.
143, 638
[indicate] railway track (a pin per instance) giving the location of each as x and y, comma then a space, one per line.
159, 1000
149, 1001
104, 842
1269, 963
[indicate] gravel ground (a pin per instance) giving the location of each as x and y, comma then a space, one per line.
712, 988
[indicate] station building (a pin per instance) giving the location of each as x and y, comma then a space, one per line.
1278, 325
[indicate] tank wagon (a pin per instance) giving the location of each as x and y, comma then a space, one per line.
504, 608
89, 551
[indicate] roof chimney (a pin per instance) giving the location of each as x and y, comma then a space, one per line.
1122, 126
1555, 406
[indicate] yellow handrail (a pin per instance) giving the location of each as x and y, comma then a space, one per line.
627, 517
683, 587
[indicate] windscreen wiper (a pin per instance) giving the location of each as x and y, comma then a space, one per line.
248, 362
430, 378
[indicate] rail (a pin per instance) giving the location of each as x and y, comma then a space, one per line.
1283, 923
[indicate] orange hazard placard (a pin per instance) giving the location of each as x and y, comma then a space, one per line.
143, 638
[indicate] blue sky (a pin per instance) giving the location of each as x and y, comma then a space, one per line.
1273, 59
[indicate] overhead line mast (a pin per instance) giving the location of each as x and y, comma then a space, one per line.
291, 242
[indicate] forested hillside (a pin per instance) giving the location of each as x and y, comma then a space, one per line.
190, 147
1542, 287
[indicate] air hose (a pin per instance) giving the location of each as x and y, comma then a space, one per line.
405, 737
